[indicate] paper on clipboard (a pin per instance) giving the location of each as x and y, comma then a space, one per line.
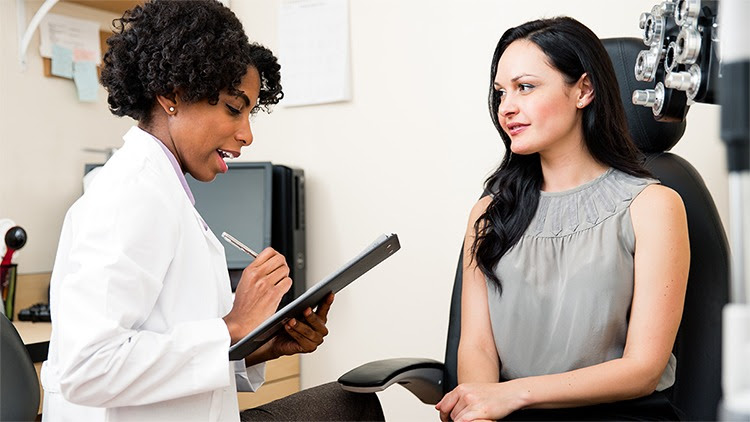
383, 247
71, 33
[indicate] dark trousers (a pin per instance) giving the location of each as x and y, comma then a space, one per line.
327, 402
654, 407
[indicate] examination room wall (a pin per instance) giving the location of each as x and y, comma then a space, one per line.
408, 154
43, 130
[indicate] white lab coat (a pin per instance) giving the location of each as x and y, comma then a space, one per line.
137, 295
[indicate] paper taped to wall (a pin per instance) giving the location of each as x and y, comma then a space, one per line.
71, 33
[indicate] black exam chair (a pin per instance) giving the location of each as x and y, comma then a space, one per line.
19, 385
697, 388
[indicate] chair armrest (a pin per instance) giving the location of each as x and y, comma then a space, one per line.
423, 377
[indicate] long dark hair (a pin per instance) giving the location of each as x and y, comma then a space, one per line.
573, 50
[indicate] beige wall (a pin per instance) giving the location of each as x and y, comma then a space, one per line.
408, 155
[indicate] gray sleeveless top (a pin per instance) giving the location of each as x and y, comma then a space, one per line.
568, 282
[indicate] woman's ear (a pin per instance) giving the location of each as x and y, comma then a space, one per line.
168, 103
585, 91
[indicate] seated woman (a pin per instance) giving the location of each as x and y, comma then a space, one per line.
576, 263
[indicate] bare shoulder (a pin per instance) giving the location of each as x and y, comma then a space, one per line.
655, 198
657, 205
478, 209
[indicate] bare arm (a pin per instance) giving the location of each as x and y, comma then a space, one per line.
477, 354
661, 265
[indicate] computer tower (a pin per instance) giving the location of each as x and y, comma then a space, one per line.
288, 225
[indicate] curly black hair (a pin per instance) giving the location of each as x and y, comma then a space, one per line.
196, 46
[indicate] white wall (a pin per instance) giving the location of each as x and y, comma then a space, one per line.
409, 154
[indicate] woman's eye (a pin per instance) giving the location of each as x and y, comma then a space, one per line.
525, 87
500, 94
233, 110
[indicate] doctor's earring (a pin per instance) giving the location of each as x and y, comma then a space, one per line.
171, 109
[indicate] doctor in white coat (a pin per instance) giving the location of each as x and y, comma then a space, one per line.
142, 311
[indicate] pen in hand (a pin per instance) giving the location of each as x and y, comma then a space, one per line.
239, 245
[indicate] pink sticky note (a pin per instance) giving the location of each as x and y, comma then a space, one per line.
83, 55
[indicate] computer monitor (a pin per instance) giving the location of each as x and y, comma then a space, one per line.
238, 202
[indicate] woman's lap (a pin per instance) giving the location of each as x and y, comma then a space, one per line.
327, 402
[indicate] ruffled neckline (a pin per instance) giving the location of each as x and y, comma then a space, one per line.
585, 206
579, 187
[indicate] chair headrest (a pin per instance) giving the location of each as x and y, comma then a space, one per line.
650, 135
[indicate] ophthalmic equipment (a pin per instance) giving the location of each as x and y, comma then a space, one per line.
699, 52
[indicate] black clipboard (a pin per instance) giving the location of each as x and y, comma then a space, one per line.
383, 247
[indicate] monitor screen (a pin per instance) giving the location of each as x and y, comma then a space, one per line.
238, 202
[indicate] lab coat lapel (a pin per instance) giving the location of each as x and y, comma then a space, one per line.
152, 149
210, 236
219, 260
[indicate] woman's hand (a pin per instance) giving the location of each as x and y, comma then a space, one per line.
303, 336
298, 336
258, 294
480, 401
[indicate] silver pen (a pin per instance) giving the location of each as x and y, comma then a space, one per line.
239, 245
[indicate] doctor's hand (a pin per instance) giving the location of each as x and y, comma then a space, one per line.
258, 294
302, 335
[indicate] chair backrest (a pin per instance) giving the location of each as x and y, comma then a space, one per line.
697, 387
450, 377
19, 386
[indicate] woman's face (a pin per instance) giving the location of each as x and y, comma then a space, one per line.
538, 109
204, 135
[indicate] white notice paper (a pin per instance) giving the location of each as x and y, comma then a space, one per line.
314, 51
70, 33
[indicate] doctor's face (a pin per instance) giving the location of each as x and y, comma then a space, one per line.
204, 135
